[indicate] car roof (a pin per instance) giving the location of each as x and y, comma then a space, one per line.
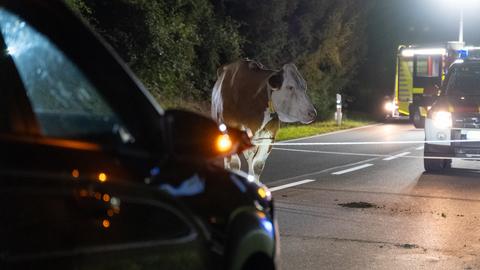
466, 63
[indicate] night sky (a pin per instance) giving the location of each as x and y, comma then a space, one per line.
394, 22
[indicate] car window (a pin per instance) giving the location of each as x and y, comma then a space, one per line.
464, 81
65, 103
428, 66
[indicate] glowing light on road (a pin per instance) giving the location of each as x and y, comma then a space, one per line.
222, 127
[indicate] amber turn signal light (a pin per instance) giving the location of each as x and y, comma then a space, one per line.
223, 143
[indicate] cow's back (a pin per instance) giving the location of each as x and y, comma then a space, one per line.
240, 96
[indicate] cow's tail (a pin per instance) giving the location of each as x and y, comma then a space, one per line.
217, 101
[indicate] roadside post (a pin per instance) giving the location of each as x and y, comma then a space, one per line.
338, 113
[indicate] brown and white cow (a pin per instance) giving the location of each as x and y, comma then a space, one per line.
250, 97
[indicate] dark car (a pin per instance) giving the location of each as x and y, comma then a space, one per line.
95, 175
453, 123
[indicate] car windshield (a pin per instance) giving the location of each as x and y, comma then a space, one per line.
464, 81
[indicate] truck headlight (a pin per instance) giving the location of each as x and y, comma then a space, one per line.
442, 119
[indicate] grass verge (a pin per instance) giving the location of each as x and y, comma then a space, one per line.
294, 131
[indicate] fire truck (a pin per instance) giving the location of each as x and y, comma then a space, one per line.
420, 71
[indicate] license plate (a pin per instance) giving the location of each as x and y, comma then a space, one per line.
472, 135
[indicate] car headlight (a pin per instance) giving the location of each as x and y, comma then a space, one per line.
442, 119
389, 106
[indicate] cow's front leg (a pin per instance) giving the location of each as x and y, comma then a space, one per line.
233, 162
260, 159
257, 157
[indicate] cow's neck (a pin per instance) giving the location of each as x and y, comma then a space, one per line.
269, 114
268, 129
267, 117
271, 107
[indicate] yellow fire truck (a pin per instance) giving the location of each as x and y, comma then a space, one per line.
420, 70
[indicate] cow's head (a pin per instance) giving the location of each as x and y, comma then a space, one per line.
289, 96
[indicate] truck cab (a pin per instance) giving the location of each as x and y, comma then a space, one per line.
420, 71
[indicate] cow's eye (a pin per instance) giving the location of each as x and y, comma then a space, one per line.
290, 88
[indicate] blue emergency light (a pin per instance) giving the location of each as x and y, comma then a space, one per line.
462, 54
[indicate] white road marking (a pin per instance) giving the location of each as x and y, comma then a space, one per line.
420, 148
353, 169
363, 143
370, 155
396, 156
291, 185
330, 152
322, 171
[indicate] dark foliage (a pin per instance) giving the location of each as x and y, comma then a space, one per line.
175, 46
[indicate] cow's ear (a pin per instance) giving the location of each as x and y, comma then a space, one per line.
276, 81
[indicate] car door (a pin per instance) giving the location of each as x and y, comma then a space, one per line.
72, 174
80, 224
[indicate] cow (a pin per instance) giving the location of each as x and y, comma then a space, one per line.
250, 97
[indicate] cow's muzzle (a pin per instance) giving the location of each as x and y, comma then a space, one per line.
311, 115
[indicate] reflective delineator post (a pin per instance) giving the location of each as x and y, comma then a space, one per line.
338, 113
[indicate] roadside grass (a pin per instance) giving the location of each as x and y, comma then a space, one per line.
294, 131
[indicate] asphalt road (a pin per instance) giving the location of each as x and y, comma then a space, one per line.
407, 219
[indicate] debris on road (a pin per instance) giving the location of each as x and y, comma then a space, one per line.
407, 246
357, 205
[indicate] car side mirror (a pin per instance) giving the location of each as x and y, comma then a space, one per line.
190, 136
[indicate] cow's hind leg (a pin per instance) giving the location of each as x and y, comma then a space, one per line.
249, 154
233, 162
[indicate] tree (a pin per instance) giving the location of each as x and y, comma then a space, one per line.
263, 26
175, 46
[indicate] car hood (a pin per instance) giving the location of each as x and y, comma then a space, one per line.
458, 104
